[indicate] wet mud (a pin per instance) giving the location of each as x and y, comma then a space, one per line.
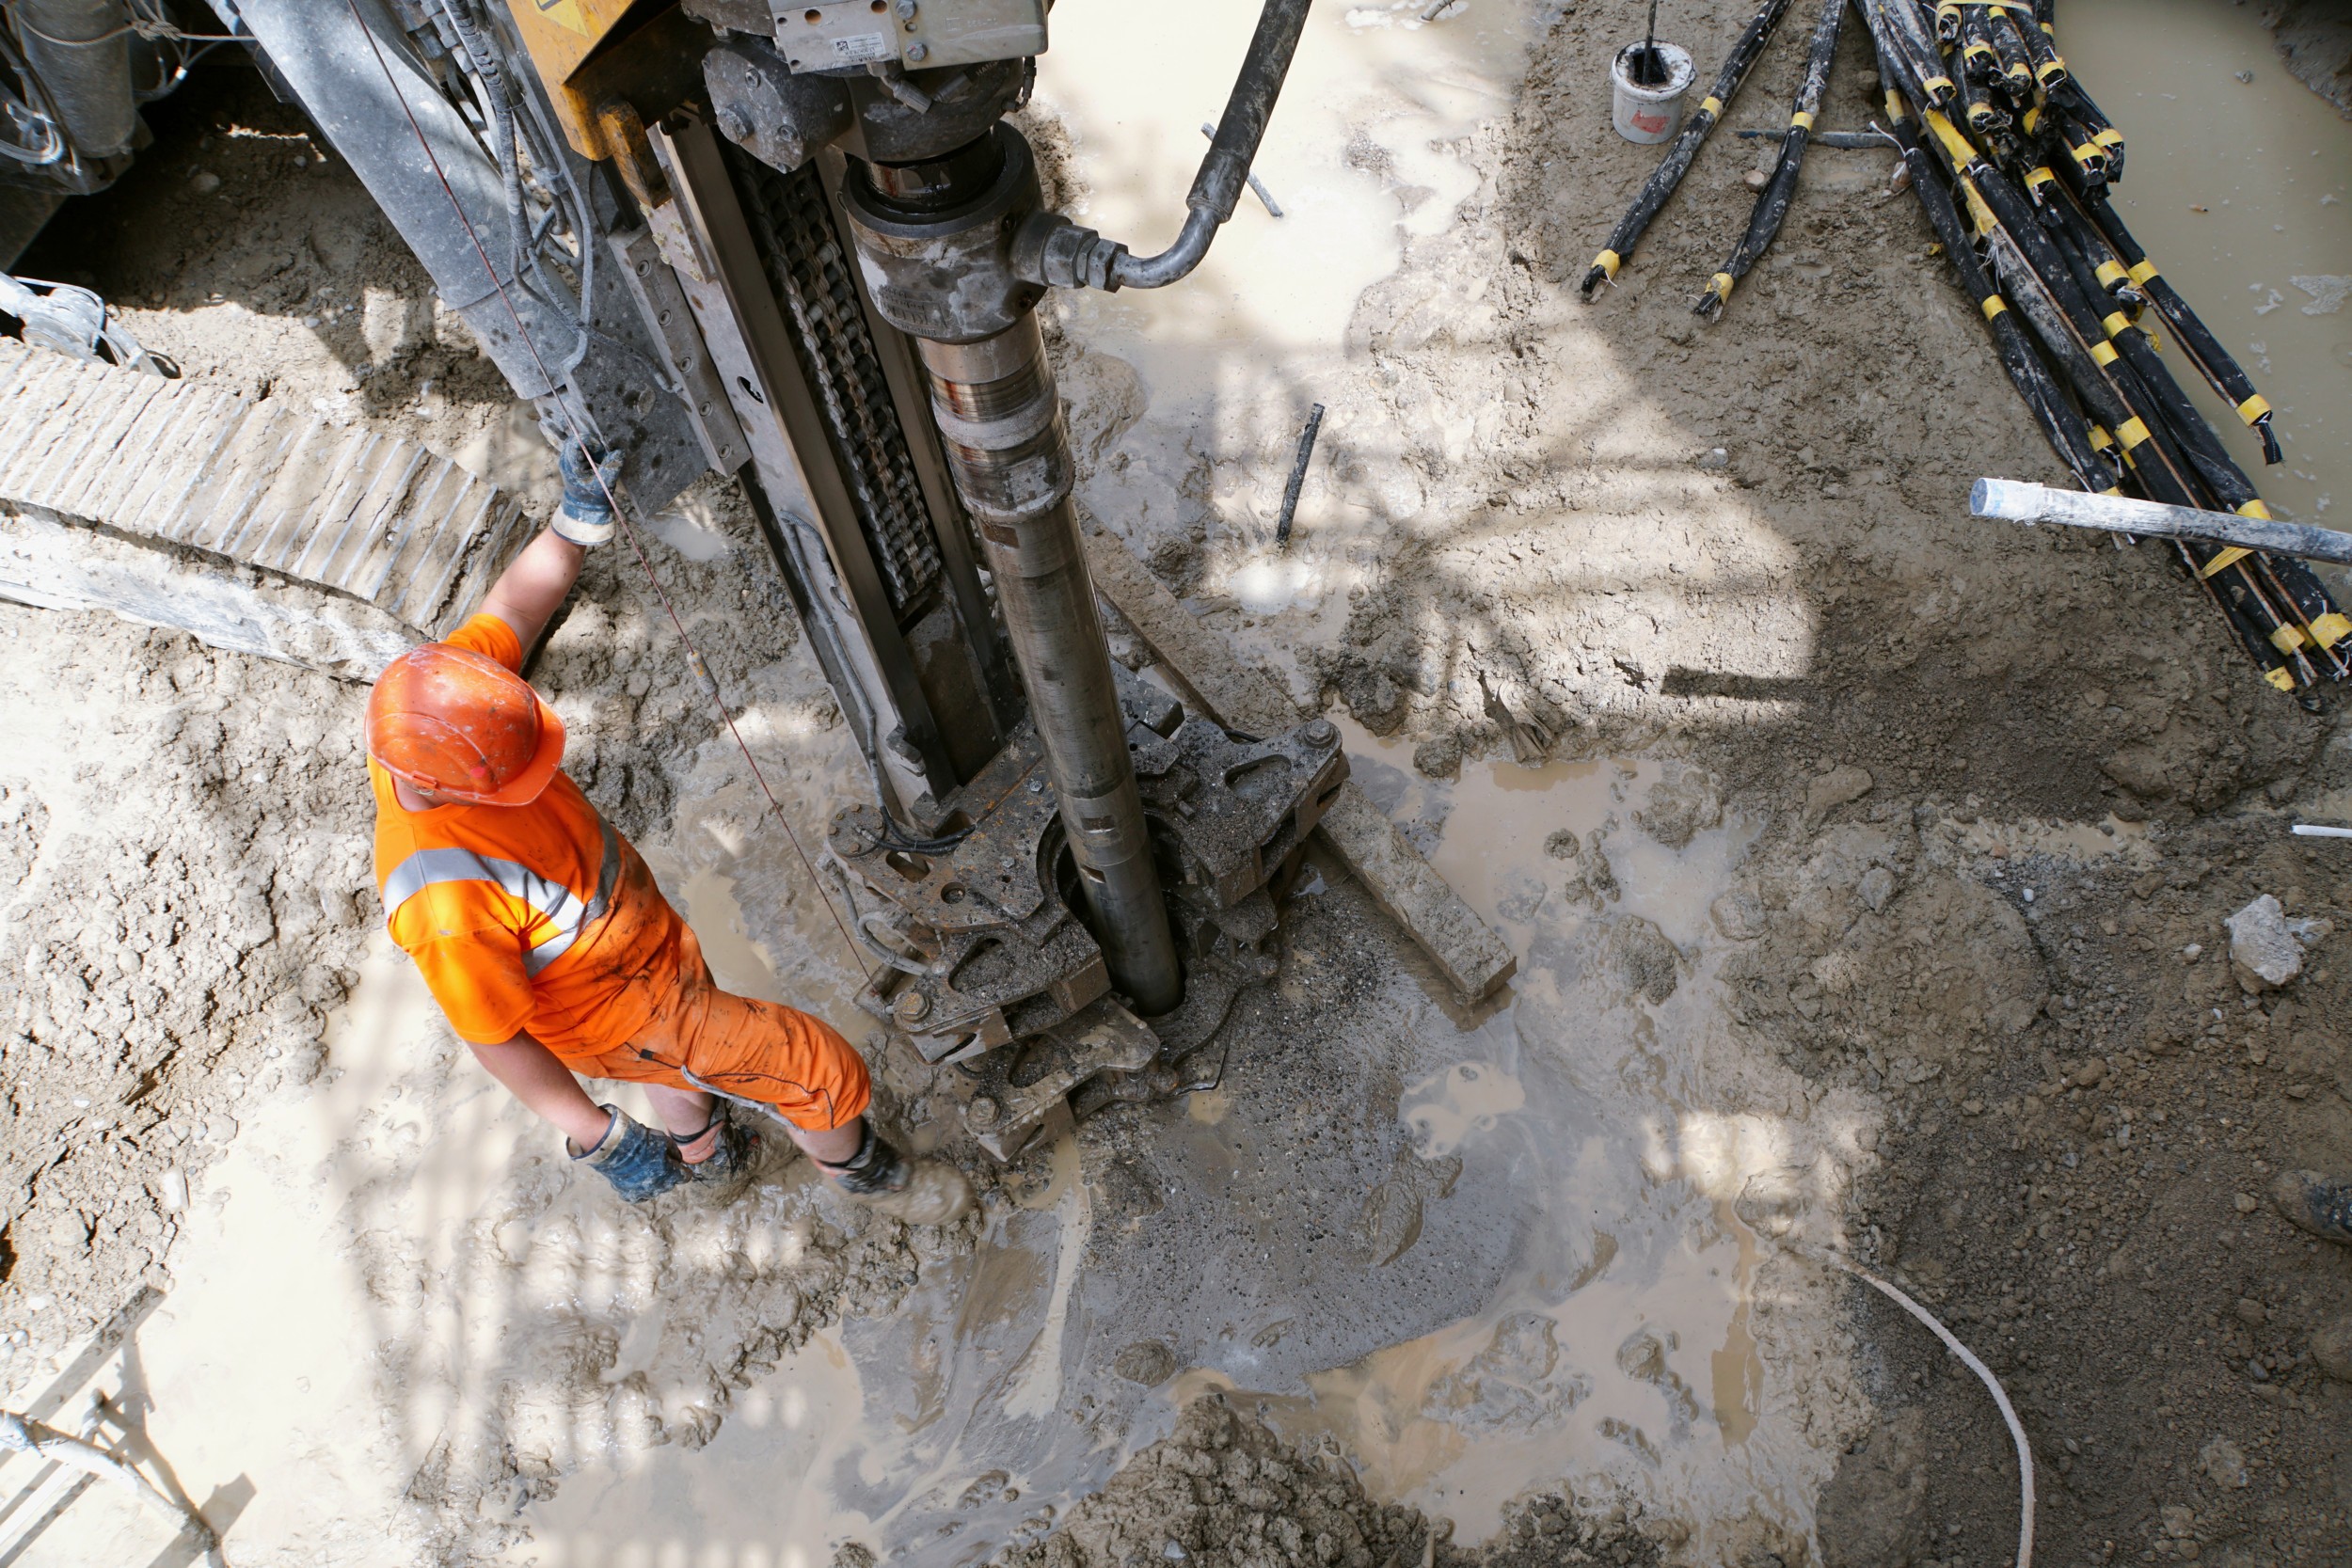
1480, 1257
1867, 871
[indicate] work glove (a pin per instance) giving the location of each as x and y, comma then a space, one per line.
585, 517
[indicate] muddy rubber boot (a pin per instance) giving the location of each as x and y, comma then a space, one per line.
638, 1161
920, 1192
724, 1173
2315, 1203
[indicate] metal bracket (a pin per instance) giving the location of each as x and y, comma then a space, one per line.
1014, 1091
643, 267
988, 968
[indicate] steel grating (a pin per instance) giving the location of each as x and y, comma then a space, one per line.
809, 268
339, 506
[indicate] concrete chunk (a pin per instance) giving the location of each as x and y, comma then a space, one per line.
2266, 947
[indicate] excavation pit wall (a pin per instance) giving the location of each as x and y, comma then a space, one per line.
399, 1330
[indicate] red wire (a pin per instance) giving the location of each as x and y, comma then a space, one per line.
694, 655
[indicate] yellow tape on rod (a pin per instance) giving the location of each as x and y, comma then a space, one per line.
1945, 131
1993, 305
2253, 408
2225, 559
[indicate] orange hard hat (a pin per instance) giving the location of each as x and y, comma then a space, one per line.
452, 722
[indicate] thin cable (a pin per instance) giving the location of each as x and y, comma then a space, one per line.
1968, 1358
694, 655
145, 26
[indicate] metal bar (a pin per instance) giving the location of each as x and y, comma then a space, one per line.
1843, 141
998, 406
1298, 478
1217, 188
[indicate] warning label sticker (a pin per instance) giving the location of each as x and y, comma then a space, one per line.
861, 47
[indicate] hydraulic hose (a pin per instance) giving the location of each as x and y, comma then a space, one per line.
498, 102
1225, 170
495, 101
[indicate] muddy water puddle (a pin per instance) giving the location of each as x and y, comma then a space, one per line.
1619, 1357
915, 1433
1581, 1299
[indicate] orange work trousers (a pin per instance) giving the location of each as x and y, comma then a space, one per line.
705, 1039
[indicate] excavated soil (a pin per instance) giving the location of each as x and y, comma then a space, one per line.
1868, 869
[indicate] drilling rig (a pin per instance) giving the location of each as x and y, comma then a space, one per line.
803, 246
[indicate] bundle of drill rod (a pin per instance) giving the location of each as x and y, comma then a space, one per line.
2013, 160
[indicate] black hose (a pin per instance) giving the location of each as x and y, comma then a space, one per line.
1225, 169
523, 256
2220, 369
1771, 203
1670, 168
2061, 425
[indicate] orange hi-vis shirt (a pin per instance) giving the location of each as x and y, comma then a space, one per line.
536, 918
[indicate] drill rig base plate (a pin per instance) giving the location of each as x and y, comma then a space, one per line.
986, 963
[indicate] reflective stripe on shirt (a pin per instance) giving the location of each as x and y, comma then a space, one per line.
558, 905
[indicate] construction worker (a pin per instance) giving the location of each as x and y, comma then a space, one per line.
542, 936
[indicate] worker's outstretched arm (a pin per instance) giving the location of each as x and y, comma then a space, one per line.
533, 1075
532, 588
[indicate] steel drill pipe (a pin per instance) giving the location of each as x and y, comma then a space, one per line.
1000, 413
936, 242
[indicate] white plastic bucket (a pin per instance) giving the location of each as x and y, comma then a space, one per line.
1651, 114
